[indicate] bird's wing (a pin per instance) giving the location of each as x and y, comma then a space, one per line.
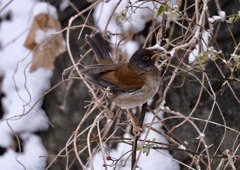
92, 73
117, 80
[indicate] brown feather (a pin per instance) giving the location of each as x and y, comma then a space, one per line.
123, 77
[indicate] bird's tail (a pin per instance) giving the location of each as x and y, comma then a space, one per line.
100, 48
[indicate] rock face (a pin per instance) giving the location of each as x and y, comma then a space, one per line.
217, 103
65, 106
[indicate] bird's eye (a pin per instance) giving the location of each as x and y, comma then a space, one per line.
146, 58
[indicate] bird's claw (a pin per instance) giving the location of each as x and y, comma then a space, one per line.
137, 130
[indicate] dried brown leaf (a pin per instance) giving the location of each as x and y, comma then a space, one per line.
46, 51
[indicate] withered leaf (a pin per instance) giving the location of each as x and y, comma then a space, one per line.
45, 47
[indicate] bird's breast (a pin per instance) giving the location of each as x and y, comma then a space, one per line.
128, 100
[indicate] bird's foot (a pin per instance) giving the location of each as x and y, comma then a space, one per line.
136, 130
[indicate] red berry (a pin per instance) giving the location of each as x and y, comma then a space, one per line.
104, 165
108, 158
95, 136
221, 67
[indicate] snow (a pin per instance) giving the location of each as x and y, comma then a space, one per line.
136, 20
130, 47
23, 90
156, 160
16, 9
222, 14
211, 20
45, 8
215, 17
126, 18
29, 158
182, 147
64, 4
205, 41
43, 34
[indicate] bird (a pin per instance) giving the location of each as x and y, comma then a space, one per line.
131, 84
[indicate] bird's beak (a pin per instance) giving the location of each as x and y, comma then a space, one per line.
154, 55
157, 50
